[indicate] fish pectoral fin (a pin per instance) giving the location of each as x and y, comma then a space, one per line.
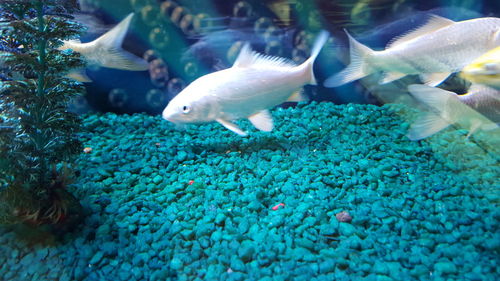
297, 96
79, 75
475, 125
434, 23
262, 120
434, 79
231, 126
426, 124
391, 76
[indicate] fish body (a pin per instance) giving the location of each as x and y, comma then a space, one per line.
484, 70
253, 85
478, 109
433, 51
106, 51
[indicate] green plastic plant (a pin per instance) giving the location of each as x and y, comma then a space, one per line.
38, 141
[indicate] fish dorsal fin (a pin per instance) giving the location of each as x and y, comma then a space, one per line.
231, 126
433, 24
247, 58
262, 120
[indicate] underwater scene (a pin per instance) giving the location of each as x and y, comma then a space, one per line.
249, 140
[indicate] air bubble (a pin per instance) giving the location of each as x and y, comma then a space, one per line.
159, 38
156, 98
242, 10
175, 86
234, 50
262, 24
273, 48
187, 25
118, 97
158, 72
150, 15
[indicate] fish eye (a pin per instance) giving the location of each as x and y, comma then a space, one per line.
186, 109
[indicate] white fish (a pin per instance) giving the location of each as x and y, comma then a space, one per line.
106, 51
253, 85
478, 109
433, 51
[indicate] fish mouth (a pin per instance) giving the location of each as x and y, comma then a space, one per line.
168, 117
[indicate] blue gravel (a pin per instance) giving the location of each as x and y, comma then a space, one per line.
197, 204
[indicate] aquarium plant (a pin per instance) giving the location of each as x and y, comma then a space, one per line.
38, 135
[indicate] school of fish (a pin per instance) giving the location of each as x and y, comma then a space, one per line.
256, 83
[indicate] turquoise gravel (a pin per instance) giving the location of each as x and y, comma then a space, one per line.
197, 203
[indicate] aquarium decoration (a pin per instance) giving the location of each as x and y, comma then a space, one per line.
38, 136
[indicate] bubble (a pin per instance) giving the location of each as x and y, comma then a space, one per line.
262, 24
78, 104
159, 38
242, 10
202, 22
175, 86
273, 48
150, 55
167, 8
300, 38
156, 98
234, 50
191, 69
187, 25
271, 33
150, 15
118, 97
158, 72
177, 14
300, 54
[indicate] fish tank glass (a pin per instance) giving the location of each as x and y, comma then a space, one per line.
249, 140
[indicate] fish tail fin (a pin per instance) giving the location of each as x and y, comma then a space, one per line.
357, 69
318, 45
429, 123
113, 56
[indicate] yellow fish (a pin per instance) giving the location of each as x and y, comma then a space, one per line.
484, 70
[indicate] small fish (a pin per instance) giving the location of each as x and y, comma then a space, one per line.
254, 84
485, 70
106, 51
433, 51
478, 109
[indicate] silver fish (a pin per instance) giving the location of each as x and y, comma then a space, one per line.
478, 109
433, 51
253, 85
106, 51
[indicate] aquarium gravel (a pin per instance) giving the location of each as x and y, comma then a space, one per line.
335, 192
